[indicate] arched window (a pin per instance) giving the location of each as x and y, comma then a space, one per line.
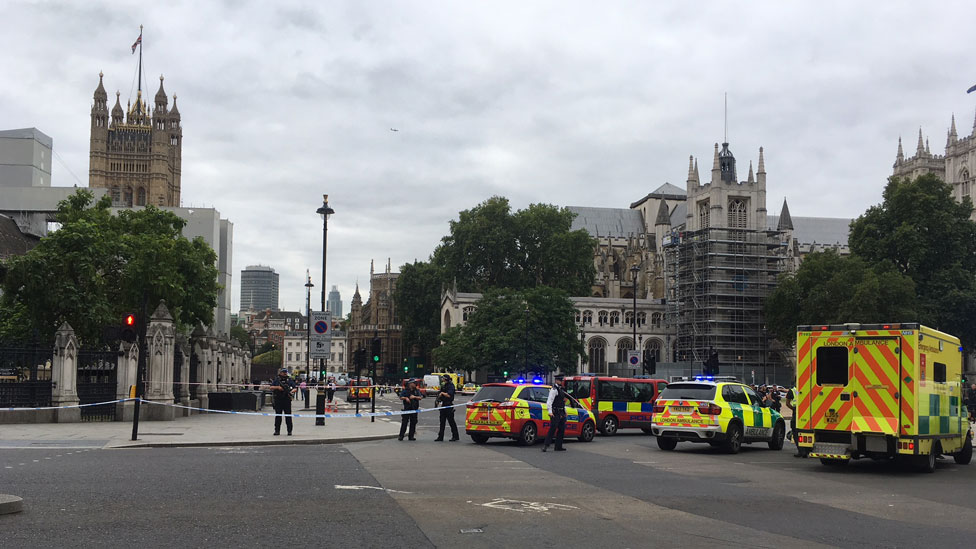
614, 318
624, 345
447, 320
964, 177
629, 318
737, 213
656, 320
577, 316
653, 347
116, 195
588, 318
141, 197
127, 197
466, 312
598, 354
641, 319
703, 214
603, 318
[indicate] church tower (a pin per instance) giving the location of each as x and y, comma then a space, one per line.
136, 153
724, 201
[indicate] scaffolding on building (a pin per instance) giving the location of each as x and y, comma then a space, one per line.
718, 281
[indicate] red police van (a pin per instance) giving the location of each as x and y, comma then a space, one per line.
619, 402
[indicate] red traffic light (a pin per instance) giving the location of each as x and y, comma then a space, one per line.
130, 320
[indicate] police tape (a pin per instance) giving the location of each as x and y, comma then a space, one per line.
334, 416
68, 406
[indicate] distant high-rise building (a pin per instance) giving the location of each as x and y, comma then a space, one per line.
334, 304
259, 288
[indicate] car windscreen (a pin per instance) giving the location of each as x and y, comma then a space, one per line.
496, 394
578, 388
688, 391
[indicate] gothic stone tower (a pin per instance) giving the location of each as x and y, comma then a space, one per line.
137, 155
724, 201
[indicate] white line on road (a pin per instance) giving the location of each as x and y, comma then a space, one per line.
523, 506
387, 490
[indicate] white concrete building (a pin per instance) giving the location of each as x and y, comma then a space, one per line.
295, 351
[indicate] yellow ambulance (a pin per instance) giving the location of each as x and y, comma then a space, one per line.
882, 391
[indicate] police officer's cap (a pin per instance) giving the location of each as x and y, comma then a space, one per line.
283, 371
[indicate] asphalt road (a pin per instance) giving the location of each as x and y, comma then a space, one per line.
614, 492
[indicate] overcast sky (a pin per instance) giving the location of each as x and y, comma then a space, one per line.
568, 103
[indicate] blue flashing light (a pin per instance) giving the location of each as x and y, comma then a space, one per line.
520, 380
537, 381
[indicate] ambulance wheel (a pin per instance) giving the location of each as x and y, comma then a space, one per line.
964, 456
479, 439
779, 435
610, 425
529, 434
926, 463
587, 432
667, 443
733, 438
834, 462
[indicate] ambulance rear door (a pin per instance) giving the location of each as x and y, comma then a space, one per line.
875, 384
825, 381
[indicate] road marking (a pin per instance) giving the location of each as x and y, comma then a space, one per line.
387, 490
525, 506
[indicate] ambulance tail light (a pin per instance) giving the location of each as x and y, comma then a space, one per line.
507, 404
709, 409
658, 408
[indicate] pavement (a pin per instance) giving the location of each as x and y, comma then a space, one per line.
205, 429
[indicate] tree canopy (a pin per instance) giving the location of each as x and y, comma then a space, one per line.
534, 327
96, 267
490, 246
913, 258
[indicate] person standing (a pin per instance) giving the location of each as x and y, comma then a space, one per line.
446, 397
411, 398
332, 388
791, 404
556, 402
283, 388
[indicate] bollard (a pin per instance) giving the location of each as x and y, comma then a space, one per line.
319, 407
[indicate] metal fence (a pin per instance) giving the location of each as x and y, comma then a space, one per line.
97, 383
25, 375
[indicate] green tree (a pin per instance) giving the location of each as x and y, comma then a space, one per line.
417, 297
488, 247
97, 266
830, 289
270, 358
922, 231
534, 327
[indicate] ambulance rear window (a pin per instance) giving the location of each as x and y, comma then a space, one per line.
832, 366
688, 391
496, 394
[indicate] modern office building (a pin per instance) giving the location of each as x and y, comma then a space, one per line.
259, 288
334, 303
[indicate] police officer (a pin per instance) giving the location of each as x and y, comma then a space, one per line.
411, 398
283, 388
557, 414
791, 404
446, 398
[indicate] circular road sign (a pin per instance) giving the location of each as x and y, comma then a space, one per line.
321, 327
634, 361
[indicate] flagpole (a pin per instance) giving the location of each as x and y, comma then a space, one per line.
140, 57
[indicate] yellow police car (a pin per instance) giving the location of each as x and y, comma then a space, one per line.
723, 414
519, 411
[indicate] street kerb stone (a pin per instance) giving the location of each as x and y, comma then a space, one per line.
10, 504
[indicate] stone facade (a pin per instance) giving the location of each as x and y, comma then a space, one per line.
137, 153
957, 166
377, 318
606, 325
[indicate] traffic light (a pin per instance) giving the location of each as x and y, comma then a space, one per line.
711, 365
376, 350
650, 363
127, 332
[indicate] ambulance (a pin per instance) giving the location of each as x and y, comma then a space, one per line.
881, 391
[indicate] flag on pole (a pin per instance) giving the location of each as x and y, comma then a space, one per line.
136, 43
971, 90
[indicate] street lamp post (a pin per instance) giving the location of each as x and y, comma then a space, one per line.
325, 211
582, 341
308, 332
525, 343
633, 321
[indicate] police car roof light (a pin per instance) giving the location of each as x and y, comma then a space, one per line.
537, 381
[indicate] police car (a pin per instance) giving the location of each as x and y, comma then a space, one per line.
722, 414
518, 411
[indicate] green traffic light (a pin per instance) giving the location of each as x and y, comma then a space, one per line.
376, 358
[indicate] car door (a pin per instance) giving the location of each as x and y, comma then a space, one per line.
762, 423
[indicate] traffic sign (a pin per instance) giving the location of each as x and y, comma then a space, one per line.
633, 358
320, 338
